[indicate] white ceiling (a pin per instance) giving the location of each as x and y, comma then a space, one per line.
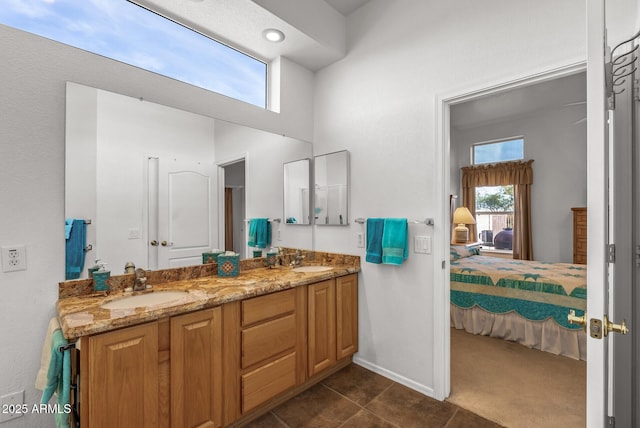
315, 30
563, 92
345, 7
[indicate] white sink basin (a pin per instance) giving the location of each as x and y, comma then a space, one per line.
148, 299
308, 269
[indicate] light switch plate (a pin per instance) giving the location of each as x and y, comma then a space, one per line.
422, 244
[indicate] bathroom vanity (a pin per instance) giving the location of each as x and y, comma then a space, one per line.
225, 353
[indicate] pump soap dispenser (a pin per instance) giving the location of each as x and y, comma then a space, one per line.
100, 278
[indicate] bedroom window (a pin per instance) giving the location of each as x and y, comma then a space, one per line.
127, 32
494, 216
497, 151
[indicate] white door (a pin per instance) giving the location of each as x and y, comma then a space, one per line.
185, 212
605, 209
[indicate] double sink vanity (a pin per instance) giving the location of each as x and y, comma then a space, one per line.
201, 350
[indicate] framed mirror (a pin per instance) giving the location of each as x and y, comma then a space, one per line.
331, 190
297, 200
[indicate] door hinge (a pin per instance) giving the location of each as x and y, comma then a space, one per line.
611, 253
444, 264
611, 422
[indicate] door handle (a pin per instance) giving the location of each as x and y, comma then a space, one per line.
166, 244
574, 319
154, 243
609, 327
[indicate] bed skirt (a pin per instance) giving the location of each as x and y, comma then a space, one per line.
544, 335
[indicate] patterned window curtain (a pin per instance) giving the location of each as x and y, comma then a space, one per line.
520, 175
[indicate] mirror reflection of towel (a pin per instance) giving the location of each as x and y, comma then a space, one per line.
395, 241
259, 232
75, 249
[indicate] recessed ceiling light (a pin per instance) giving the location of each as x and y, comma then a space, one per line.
273, 35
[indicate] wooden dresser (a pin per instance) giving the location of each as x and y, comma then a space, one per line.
579, 235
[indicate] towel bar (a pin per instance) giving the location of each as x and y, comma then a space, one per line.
427, 221
63, 348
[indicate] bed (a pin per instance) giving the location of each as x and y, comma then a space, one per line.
519, 300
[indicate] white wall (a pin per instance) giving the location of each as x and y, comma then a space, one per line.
380, 104
558, 147
34, 73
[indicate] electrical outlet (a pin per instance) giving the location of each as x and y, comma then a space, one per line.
360, 236
11, 406
14, 258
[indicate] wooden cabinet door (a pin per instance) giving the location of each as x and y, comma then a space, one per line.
322, 326
346, 315
123, 377
196, 369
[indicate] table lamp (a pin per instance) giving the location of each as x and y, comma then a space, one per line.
461, 217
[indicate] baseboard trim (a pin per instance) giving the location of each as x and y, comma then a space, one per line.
423, 389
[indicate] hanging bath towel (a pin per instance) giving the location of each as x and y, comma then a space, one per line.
259, 232
395, 241
375, 227
75, 249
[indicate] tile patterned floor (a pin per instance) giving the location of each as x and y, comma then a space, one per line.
355, 397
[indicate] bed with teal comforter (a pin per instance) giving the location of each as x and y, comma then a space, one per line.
538, 292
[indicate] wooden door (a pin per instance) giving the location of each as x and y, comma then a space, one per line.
123, 377
322, 326
346, 315
196, 369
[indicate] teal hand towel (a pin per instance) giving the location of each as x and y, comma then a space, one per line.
259, 232
395, 241
375, 226
59, 378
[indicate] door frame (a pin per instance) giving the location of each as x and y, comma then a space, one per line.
442, 232
243, 157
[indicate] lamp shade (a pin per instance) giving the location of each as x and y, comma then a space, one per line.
462, 215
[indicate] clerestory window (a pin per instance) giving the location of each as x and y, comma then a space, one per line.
127, 32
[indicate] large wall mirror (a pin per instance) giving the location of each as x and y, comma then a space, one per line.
151, 179
331, 174
297, 200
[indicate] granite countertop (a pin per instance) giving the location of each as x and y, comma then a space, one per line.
82, 315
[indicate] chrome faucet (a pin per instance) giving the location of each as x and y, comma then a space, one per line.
141, 280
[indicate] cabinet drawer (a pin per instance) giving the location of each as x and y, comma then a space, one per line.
268, 306
268, 339
268, 381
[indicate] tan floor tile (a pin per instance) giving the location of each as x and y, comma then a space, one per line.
268, 420
317, 407
367, 419
358, 384
408, 408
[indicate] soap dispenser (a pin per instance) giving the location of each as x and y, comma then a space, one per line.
94, 268
272, 257
100, 278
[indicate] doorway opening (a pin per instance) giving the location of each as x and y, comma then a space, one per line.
233, 184
492, 114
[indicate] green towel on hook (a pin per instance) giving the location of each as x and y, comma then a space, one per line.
59, 378
395, 241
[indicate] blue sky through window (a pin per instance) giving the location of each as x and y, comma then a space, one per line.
123, 31
501, 151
